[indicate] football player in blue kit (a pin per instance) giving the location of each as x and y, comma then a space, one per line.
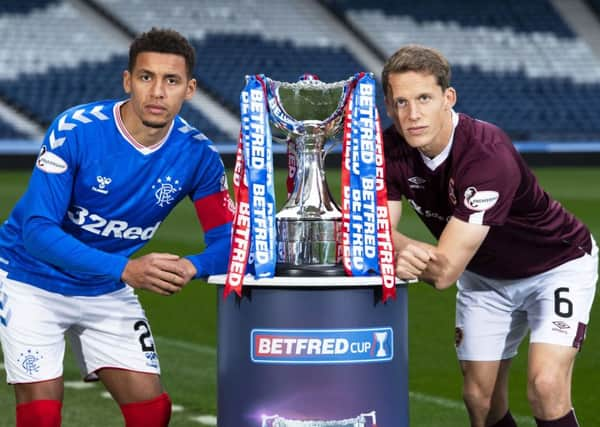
107, 175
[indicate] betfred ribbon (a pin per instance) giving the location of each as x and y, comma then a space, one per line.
366, 231
254, 223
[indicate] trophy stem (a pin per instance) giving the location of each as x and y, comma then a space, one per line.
309, 224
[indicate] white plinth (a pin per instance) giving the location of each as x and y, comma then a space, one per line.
316, 281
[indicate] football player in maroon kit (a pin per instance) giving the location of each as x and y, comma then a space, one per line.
521, 262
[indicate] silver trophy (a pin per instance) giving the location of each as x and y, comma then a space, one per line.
308, 115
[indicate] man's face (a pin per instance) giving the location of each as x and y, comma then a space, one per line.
420, 110
158, 86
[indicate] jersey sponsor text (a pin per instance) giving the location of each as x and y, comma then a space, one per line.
98, 225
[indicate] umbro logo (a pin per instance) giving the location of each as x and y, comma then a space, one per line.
416, 182
561, 325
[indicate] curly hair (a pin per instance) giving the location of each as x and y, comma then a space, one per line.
163, 41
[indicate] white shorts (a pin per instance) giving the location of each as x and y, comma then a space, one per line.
493, 316
105, 331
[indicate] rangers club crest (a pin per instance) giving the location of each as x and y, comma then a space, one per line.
165, 190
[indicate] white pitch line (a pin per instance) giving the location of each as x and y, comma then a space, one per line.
185, 345
78, 385
439, 401
177, 408
106, 395
207, 420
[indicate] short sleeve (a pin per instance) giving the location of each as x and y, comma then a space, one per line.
486, 186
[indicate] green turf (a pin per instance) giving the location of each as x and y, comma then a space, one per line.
185, 325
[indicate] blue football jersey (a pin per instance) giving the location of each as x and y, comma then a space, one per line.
96, 196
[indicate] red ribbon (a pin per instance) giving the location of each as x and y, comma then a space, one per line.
345, 196
240, 239
292, 161
384, 228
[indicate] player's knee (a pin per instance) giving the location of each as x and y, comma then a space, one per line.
148, 413
476, 399
546, 389
39, 413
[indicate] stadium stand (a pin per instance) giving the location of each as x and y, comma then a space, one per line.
295, 21
282, 40
20, 6
9, 132
279, 60
45, 95
516, 63
58, 66
522, 16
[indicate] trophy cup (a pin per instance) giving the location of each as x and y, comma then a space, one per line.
307, 115
311, 235
380, 338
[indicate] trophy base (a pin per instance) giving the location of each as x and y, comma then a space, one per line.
310, 270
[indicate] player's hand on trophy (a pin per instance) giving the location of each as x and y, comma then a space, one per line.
412, 261
162, 273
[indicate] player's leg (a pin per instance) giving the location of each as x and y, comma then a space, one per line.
549, 382
39, 404
114, 344
485, 392
32, 335
558, 313
140, 396
489, 329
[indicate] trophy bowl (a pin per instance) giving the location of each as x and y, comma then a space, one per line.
308, 115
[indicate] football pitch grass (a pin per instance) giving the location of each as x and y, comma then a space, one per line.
184, 327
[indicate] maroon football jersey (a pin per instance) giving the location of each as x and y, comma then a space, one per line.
484, 180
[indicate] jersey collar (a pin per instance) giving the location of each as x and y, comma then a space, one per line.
130, 139
432, 164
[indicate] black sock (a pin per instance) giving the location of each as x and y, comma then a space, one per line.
506, 421
568, 420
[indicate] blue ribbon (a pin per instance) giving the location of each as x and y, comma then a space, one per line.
363, 191
258, 156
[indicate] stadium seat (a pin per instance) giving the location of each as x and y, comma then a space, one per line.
519, 55
8, 131
515, 63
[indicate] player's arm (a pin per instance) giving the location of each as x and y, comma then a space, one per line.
440, 265
457, 245
45, 239
412, 256
485, 195
401, 240
215, 210
47, 199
